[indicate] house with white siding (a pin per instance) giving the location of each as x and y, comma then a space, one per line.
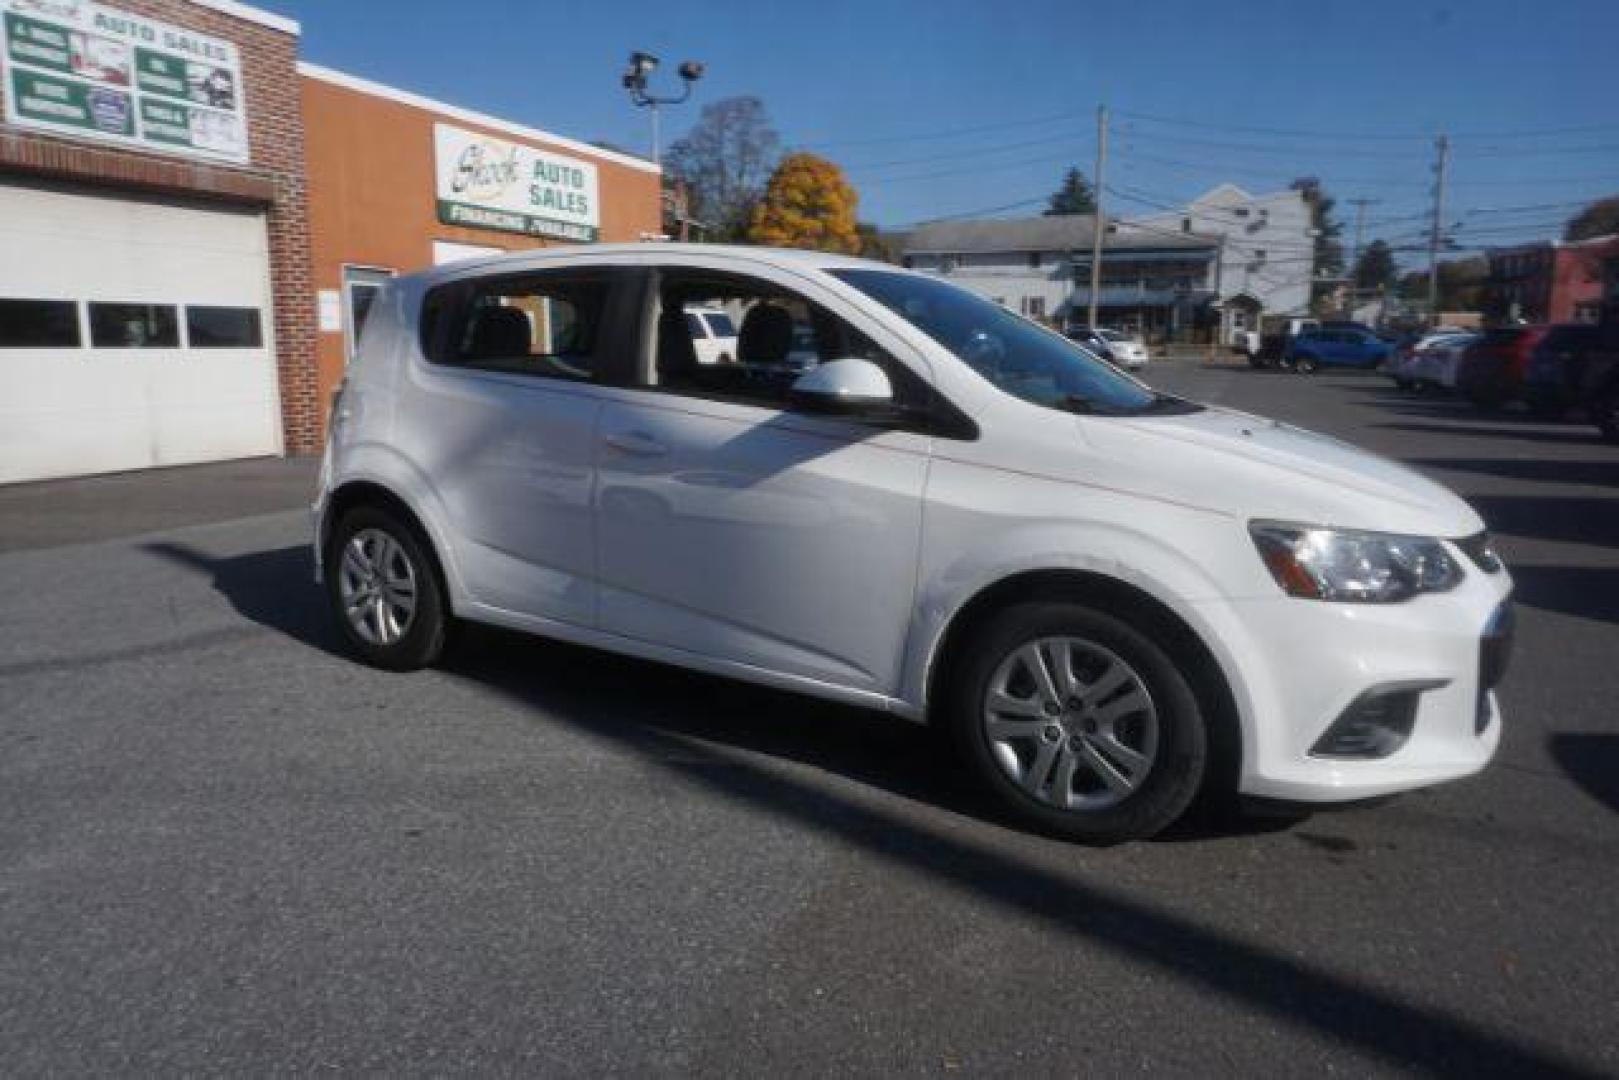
1157, 283
1266, 251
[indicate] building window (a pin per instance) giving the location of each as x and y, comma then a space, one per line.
223, 328
947, 263
1034, 307
1186, 224
361, 284
1034, 260
134, 326
907, 262
1259, 255
39, 324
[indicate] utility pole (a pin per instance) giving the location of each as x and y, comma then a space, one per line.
1099, 221
1442, 145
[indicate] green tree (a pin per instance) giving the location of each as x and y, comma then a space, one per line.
1328, 261
1074, 196
1374, 267
1599, 219
808, 203
723, 162
876, 244
1461, 284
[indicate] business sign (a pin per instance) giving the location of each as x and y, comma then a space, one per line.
76, 68
486, 183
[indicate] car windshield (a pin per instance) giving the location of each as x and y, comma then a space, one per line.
1113, 335
1018, 356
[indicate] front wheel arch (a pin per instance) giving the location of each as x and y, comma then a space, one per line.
1135, 606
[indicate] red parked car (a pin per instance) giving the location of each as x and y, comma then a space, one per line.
1492, 370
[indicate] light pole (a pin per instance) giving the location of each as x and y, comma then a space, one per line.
642, 65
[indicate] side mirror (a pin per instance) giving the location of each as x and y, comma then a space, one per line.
844, 387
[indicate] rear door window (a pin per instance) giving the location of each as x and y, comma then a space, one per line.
551, 324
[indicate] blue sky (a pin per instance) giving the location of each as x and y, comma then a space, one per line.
945, 108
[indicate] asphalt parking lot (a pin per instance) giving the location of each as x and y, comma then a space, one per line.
225, 847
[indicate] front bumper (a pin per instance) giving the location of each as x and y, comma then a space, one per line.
1306, 663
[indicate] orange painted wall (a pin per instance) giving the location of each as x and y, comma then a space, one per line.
371, 198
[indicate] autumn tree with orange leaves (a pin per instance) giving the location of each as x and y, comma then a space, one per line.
807, 204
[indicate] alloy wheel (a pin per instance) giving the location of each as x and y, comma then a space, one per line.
377, 584
1071, 723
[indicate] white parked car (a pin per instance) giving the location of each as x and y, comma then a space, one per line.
713, 334
1432, 361
1113, 599
1114, 346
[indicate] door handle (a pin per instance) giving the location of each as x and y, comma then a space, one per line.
638, 443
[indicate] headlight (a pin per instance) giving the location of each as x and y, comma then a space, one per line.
1348, 565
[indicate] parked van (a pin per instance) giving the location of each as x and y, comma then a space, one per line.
1112, 598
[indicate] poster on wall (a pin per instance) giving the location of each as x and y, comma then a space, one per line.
487, 183
82, 69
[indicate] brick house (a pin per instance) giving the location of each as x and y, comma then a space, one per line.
1549, 282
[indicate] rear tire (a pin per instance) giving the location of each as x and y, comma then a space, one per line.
1117, 754
385, 590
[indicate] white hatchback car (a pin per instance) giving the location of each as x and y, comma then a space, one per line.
1113, 599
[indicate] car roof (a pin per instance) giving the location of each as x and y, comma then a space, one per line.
782, 258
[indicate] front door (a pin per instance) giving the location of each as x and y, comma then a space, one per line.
734, 527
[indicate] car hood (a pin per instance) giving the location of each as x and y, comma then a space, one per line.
1258, 468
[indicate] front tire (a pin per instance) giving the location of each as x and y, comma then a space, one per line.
385, 590
1304, 365
1077, 722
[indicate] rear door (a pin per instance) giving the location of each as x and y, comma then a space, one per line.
503, 418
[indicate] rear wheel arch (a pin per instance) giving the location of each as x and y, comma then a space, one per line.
1127, 602
360, 493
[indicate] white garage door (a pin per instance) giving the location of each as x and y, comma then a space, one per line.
132, 334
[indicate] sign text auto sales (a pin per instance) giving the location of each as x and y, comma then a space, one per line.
488, 183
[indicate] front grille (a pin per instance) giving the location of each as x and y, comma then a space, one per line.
1479, 548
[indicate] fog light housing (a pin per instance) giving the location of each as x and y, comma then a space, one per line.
1375, 724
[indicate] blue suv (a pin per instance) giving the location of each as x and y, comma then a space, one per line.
1336, 347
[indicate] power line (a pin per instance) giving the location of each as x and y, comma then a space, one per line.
1335, 135
976, 151
947, 133
982, 211
1045, 159
1253, 148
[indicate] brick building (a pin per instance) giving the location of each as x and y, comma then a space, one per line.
1549, 283
190, 221
399, 182
155, 305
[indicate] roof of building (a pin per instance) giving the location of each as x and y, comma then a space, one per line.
252, 14
1057, 233
456, 112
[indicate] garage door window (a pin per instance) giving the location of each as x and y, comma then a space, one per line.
223, 328
134, 326
39, 324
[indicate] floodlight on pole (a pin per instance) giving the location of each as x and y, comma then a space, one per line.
641, 66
